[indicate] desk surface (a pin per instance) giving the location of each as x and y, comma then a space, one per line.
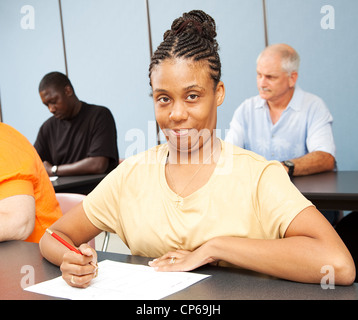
330, 190
17, 257
77, 184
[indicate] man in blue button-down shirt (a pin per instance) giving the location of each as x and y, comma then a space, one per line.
284, 122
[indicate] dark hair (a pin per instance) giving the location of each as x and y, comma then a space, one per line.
191, 36
55, 79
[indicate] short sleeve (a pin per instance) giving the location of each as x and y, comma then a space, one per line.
279, 201
41, 145
319, 131
102, 204
16, 187
236, 133
104, 139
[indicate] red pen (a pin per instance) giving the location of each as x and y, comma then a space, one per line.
65, 243
72, 248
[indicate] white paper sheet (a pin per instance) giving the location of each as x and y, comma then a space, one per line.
121, 281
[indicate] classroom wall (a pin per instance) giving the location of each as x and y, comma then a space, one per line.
328, 61
25, 56
108, 55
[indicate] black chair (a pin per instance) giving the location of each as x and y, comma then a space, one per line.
347, 229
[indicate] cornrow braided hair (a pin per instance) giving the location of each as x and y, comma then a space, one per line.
191, 36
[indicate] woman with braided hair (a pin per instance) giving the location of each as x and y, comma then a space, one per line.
196, 199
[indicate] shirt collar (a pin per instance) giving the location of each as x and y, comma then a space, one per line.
295, 102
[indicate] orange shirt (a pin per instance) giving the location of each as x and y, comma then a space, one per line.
23, 173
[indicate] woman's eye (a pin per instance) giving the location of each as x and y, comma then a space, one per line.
164, 100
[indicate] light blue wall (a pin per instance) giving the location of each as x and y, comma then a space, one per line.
25, 56
108, 57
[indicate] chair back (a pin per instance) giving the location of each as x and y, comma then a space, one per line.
347, 230
69, 200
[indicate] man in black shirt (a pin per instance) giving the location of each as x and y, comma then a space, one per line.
79, 138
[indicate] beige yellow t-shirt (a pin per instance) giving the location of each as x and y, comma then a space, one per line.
246, 196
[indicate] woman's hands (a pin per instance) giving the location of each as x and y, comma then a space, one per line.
78, 270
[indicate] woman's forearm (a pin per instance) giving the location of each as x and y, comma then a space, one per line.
52, 249
296, 258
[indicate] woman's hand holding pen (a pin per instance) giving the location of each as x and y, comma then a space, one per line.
79, 269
